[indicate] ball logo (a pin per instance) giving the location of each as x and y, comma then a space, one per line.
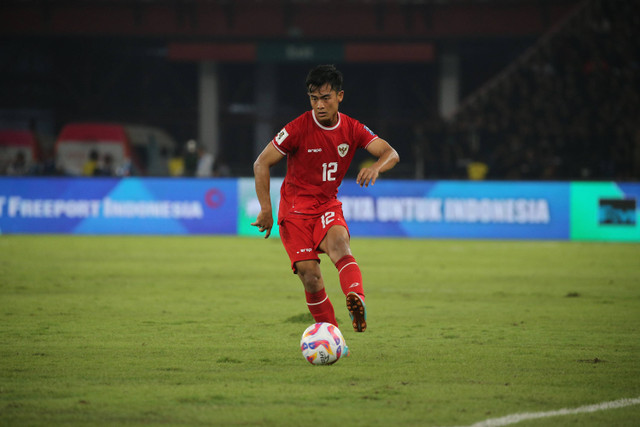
343, 149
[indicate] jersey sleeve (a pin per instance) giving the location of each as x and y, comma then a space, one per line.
363, 135
287, 140
279, 139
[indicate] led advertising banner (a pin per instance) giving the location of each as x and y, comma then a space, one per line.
249, 207
605, 211
118, 206
393, 208
442, 209
456, 209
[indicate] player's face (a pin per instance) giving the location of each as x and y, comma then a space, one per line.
325, 102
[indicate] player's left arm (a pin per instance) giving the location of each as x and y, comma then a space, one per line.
387, 158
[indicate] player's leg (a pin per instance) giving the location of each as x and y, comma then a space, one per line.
296, 236
336, 244
318, 301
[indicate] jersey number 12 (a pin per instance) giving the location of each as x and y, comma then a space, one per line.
329, 170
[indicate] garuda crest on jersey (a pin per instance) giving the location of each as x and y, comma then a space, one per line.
343, 149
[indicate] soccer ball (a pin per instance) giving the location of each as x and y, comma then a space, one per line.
322, 344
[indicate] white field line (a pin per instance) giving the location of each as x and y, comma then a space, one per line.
516, 418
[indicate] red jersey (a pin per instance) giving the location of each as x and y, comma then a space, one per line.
318, 158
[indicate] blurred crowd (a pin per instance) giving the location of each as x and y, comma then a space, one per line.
568, 109
190, 161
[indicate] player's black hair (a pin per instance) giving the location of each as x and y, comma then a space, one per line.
323, 74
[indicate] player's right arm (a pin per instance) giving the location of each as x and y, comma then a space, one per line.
387, 159
261, 171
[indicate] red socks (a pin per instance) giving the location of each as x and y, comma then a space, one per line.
320, 307
350, 275
350, 281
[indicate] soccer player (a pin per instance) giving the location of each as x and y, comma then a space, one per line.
319, 146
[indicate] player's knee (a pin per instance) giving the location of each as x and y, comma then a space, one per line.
310, 275
336, 242
338, 248
310, 279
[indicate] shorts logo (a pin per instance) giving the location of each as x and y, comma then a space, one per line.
304, 250
343, 149
282, 136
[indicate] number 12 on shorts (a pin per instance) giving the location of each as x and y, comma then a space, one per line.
327, 218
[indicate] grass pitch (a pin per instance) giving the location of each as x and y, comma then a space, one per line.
204, 331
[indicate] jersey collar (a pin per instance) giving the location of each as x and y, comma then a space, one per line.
324, 127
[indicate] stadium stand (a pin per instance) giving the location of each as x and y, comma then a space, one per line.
569, 108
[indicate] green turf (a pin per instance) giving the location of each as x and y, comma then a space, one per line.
205, 331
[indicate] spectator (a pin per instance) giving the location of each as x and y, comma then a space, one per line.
19, 165
220, 167
91, 164
191, 158
106, 168
176, 163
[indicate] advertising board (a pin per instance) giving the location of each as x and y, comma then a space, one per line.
118, 206
391, 208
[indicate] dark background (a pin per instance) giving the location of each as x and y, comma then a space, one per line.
64, 61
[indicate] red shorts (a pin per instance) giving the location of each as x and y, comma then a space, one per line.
302, 234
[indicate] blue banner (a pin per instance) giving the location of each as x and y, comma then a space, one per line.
118, 206
452, 209
416, 209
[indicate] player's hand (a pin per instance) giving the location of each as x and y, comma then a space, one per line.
367, 176
264, 222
